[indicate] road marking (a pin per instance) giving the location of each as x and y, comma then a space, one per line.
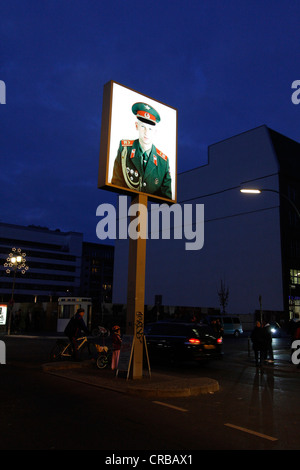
249, 431
170, 406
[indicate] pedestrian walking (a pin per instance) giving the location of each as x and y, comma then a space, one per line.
259, 343
269, 347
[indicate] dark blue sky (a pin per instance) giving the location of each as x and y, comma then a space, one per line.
227, 66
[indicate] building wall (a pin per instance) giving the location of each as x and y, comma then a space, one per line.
241, 234
53, 257
97, 273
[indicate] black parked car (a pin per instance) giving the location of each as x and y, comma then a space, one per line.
177, 341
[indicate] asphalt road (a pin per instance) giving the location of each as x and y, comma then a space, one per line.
253, 410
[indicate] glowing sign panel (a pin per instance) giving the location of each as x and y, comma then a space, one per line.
3, 314
138, 150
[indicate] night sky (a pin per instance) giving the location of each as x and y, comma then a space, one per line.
226, 66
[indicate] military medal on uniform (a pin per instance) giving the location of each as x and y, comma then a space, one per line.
136, 185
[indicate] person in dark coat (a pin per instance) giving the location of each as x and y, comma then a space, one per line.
269, 349
259, 342
74, 328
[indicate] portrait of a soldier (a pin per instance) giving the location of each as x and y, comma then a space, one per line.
139, 165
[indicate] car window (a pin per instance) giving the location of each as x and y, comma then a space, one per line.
168, 329
203, 331
178, 329
147, 329
163, 329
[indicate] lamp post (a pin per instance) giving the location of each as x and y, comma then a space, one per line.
16, 261
259, 191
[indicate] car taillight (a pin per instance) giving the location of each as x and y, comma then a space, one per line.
194, 341
219, 340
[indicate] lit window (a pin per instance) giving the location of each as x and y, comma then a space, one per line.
295, 276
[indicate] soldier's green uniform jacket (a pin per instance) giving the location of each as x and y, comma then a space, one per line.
128, 170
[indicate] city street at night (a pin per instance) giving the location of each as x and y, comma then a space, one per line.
151, 203
254, 409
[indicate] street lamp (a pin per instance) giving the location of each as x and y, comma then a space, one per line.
16, 261
259, 191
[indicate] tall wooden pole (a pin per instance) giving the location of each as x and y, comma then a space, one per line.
136, 286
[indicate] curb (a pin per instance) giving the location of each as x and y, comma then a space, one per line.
64, 365
159, 386
207, 386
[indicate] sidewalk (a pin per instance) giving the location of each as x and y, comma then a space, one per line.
158, 385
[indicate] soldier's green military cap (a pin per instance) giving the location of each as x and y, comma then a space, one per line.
146, 113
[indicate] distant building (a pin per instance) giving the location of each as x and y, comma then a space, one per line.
97, 272
251, 243
60, 264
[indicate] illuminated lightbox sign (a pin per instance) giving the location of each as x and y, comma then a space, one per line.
138, 149
3, 314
